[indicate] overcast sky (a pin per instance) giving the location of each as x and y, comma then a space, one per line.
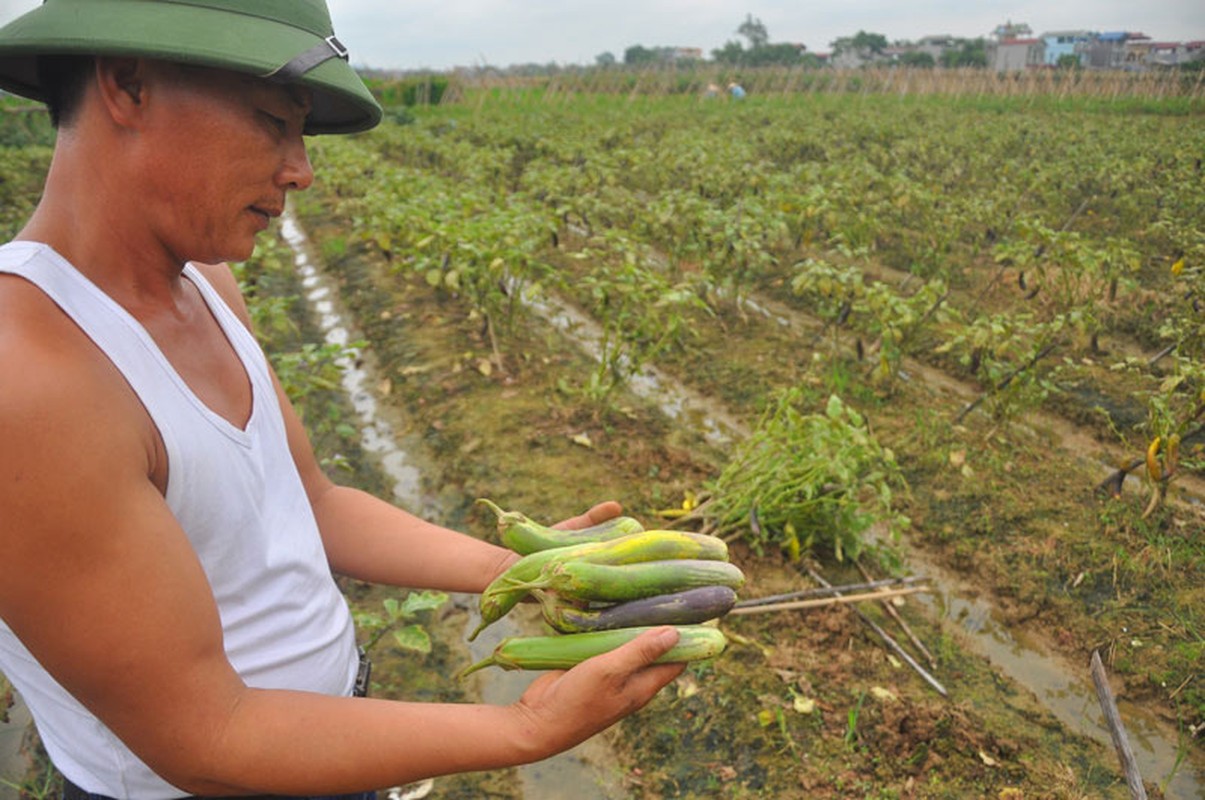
438, 34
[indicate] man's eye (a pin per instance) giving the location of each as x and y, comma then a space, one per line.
280, 124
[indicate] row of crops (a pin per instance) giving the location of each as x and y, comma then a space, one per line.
985, 243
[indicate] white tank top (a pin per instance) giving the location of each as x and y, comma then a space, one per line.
238, 496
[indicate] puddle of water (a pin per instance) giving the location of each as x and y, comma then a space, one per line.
15, 762
379, 435
1063, 688
584, 772
718, 428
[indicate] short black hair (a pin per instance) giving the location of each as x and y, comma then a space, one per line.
62, 78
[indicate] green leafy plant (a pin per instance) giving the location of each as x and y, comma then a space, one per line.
807, 480
396, 619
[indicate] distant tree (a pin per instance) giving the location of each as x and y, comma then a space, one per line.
1012, 30
776, 54
639, 55
768, 54
755, 31
606, 59
731, 53
1068, 61
863, 43
918, 59
869, 42
968, 53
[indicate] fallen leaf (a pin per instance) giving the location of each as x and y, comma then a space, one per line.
885, 695
804, 705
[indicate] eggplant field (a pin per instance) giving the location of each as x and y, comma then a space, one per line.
931, 365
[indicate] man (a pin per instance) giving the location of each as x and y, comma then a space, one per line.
166, 535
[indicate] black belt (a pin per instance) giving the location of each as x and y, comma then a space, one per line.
360, 689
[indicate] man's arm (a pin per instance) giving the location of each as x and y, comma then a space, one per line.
372, 540
100, 583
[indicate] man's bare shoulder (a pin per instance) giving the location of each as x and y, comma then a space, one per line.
62, 383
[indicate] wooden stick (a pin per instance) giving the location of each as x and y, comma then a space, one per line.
891, 643
824, 592
1116, 729
904, 626
829, 601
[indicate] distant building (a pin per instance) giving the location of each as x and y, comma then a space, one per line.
685, 54
935, 46
1135, 51
1016, 55
1106, 51
1064, 43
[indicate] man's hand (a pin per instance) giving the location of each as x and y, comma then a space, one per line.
599, 513
562, 709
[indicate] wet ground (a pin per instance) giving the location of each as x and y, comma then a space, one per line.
985, 652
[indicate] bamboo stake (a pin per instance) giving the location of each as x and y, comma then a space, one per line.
1116, 729
904, 626
891, 643
822, 591
822, 602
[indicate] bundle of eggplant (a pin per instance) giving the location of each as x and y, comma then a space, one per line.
600, 587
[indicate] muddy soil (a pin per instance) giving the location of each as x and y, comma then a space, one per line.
802, 705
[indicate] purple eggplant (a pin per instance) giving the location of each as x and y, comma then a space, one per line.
688, 607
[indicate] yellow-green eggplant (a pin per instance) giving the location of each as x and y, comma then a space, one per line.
524, 535
564, 651
615, 583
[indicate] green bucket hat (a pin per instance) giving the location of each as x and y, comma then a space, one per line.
291, 41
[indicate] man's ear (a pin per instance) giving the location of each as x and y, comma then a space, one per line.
122, 86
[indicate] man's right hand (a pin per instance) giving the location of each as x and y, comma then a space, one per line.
564, 708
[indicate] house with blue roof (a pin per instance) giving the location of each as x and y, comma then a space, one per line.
1060, 44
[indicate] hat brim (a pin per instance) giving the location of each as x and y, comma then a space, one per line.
186, 34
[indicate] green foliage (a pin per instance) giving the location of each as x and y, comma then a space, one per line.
22, 170
918, 59
643, 314
409, 92
968, 53
310, 373
809, 480
24, 124
397, 618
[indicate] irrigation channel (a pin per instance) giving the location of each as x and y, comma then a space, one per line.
583, 772
1065, 689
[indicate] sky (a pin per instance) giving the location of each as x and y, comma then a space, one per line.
441, 34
